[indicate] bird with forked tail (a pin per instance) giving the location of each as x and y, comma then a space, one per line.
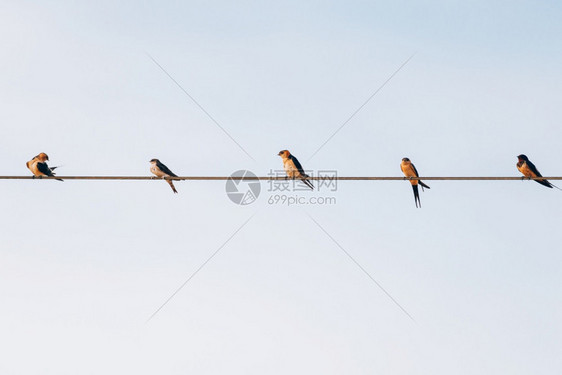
410, 170
525, 166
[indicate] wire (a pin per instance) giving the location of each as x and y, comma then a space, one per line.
281, 178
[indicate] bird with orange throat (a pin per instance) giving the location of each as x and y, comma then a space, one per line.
38, 166
160, 170
293, 168
410, 170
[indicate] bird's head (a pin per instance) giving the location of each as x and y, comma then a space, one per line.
522, 157
405, 160
42, 157
284, 153
154, 161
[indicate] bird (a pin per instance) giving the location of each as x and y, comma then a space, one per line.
160, 170
525, 166
293, 168
38, 166
410, 170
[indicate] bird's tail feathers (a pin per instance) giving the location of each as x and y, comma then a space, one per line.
545, 182
172, 186
423, 185
53, 174
416, 195
555, 186
308, 183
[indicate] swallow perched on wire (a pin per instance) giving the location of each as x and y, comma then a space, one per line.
410, 170
293, 168
160, 170
38, 166
525, 166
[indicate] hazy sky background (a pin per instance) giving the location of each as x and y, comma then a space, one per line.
85, 263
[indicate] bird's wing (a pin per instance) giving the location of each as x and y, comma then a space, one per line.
44, 168
415, 170
533, 169
165, 169
298, 165
419, 181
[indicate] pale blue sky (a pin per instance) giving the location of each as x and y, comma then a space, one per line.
85, 263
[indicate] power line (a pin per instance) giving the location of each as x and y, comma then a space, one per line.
361, 268
199, 105
197, 270
362, 105
282, 178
